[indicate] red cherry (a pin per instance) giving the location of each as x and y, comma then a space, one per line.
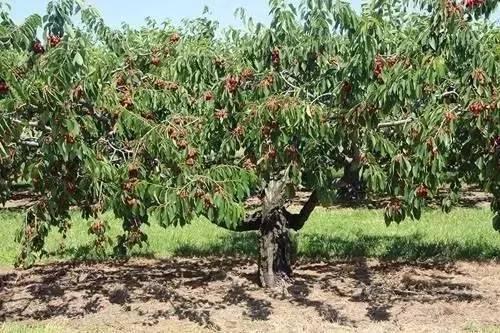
174, 38
221, 114
422, 192
4, 88
477, 108
208, 96
272, 153
276, 57
54, 40
232, 83
155, 60
38, 47
239, 131
249, 164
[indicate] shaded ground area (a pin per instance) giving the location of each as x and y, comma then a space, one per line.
192, 295
469, 197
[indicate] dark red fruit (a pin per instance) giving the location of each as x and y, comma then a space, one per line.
54, 40
276, 57
452, 8
38, 47
272, 153
378, 66
473, 3
78, 93
249, 164
155, 60
4, 88
477, 108
171, 86
69, 138
133, 172
239, 131
182, 144
192, 153
292, 152
208, 96
221, 114
266, 130
232, 83
422, 192
127, 101
450, 116
346, 88
479, 75
175, 37
247, 74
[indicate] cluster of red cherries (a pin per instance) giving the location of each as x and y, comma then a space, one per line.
422, 192
473, 3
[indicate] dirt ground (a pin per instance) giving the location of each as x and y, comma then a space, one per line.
221, 294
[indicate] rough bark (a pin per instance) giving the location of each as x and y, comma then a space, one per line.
351, 187
276, 250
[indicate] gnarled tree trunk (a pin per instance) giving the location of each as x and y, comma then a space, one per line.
274, 223
275, 249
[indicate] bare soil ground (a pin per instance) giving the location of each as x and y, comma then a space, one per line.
221, 294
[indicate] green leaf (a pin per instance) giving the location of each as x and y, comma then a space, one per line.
78, 59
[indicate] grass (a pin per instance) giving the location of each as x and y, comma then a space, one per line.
466, 233
473, 328
23, 328
54, 326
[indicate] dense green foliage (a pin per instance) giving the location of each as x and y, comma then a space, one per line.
183, 122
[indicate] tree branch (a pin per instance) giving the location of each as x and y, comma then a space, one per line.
396, 123
31, 124
310, 95
297, 221
29, 143
251, 222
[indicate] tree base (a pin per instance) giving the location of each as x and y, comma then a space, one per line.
276, 251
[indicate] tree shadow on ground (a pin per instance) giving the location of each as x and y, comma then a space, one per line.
194, 289
318, 246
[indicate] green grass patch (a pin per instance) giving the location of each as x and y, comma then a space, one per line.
31, 328
465, 233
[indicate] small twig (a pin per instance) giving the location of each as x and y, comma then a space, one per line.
31, 124
321, 96
124, 152
314, 98
395, 123
29, 143
448, 93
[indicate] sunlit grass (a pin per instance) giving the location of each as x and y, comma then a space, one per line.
466, 233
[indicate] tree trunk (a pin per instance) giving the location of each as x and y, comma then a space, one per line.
275, 250
351, 187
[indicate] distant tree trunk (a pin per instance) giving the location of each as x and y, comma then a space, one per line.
350, 186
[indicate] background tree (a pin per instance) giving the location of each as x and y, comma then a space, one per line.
185, 122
